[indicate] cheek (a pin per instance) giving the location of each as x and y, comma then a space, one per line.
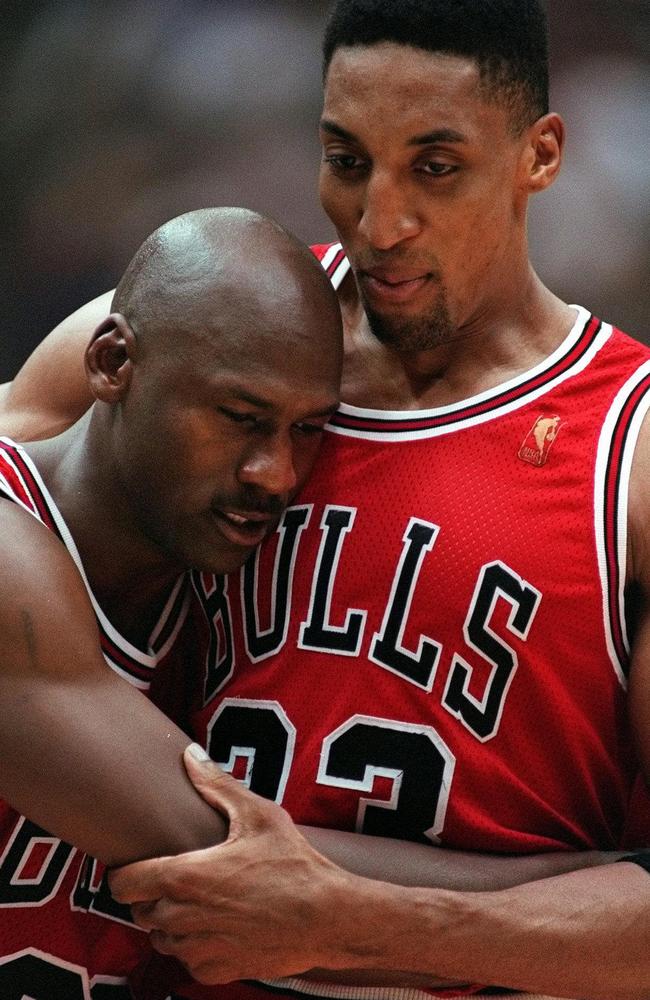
184, 476
487, 233
336, 200
196, 449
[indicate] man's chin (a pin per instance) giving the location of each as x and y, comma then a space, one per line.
412, 333
409, 336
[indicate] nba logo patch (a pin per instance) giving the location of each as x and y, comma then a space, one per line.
539, 439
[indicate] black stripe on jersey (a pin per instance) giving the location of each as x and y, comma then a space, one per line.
334, 263
118, 656
172, 619
34, 491
395, 424
612, 513
122, 661
463, 413
641, 858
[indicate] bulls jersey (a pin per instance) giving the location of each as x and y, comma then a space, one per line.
433, 646
61, 934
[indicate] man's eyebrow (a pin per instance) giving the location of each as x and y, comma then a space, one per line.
244, 396
437, 135
327, 411
426, 139
334, 129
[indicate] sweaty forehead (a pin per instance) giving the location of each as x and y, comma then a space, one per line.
266, 365
394, 82
259, 332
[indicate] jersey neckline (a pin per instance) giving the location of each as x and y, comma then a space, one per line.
573, 354
137, 663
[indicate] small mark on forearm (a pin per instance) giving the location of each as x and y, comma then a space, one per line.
30, 636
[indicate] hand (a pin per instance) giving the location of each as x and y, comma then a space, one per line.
262, 904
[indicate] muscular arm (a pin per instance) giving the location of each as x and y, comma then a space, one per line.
88, 756
405, 863
83, 752
570, 934
583, 934
50, 391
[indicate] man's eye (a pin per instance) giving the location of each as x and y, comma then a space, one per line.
437, 169
237, 417
309, 429
343, 161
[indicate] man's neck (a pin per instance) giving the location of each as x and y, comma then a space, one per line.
128, 575
485, 352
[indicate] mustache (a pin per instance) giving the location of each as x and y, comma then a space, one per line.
369, 260
253, 502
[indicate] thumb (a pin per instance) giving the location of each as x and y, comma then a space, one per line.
217, 787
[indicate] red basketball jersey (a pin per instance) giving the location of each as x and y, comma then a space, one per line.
61, 934
433, 645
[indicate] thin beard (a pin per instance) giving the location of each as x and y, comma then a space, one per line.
412, 335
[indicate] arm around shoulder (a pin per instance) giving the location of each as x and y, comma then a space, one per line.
50, 391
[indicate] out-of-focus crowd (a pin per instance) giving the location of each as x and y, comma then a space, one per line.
120, 115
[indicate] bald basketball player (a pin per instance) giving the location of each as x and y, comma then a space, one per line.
475, 552
97, 526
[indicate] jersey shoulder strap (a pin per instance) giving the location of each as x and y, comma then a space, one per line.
333, 260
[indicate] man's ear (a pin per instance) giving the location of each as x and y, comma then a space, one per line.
109, 359
546, 146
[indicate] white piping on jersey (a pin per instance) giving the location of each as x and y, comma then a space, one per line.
164, 617
341, 270
602, 463
7, 488
312, 989
574, 335
148, 659
336, 992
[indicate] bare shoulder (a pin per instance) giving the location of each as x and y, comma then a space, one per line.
50, 391
42, 595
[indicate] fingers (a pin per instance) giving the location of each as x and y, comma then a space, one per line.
217, 787
205, 958
243, 808
170, 917
143, 915
139, 882
191, 953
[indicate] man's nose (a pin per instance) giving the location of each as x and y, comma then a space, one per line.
388, 213
270, 466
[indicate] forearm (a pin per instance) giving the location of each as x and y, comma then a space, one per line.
584, 934
409, 864
100, 767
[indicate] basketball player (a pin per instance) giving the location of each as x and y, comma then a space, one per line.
168, 468
450, 661
96, 528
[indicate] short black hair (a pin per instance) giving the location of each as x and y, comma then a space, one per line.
507, 38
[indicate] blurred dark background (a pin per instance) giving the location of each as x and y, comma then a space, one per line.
119, 114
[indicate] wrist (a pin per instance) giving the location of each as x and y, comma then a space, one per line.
378, 923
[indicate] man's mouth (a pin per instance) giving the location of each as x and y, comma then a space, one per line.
392, 285
246, 528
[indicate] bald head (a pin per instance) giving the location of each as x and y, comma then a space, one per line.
214, 377
210, 263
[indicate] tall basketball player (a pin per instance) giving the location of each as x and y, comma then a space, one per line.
448, 638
